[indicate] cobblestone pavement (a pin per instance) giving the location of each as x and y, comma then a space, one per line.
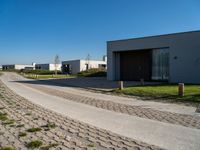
149, 113
17, 116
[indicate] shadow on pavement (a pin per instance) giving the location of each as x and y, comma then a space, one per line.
99, 83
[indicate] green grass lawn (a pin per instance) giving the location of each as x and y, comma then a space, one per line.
166, 91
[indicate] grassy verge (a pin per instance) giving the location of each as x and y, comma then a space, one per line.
42, 74
92, 73
39, 72
34, 76
165, 91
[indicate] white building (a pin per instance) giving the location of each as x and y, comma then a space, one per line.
16, 67
75, 66
50, 67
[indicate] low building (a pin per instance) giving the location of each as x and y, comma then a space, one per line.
50, 67
16, 67
75, 66
173, 58
0, 67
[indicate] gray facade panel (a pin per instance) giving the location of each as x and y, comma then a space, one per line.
184, 49
75, 65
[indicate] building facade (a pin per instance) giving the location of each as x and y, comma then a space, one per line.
173, 58
16, 67
50, 67
75, 66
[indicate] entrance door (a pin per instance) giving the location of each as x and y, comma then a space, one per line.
67, 69
135, 65
160, 64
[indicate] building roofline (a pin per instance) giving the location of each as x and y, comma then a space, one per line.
81, 59
72, 60
16, 64
152, 36
46, 64
91, 60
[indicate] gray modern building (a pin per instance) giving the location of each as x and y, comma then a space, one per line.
172, 57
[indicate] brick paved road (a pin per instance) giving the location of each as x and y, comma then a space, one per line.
68, 133
149, 113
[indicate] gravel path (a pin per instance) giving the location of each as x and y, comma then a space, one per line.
64, 132
149, 113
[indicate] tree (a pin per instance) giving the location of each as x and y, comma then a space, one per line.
88, 62
56, 63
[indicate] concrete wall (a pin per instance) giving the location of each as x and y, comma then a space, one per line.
19, 67
80, 65
183, 46
92, 64
53, 67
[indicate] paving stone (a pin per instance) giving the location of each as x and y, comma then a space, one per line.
174, 118
70, 133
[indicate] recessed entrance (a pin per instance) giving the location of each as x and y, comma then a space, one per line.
149, 65
135, 65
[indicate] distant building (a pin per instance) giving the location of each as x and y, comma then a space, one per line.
173, 58
75, 66
16, 67
0, 67
50, 67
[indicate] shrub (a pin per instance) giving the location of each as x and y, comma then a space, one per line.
3, 116
92, 73
22, 134
34, 144
20, 125
28, 114
40, 72
9, 122
34, 129
90, 145
7, 148
49, 125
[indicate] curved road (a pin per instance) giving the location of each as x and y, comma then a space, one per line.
162, 133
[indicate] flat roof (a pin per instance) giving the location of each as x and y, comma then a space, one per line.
151, 36
47, 64
81, 59
16, 64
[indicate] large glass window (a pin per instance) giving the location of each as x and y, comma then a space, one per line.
160, 64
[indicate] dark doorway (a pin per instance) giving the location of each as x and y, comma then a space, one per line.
87, 66
67, 69
136, 65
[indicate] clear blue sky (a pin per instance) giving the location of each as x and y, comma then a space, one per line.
37, 30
